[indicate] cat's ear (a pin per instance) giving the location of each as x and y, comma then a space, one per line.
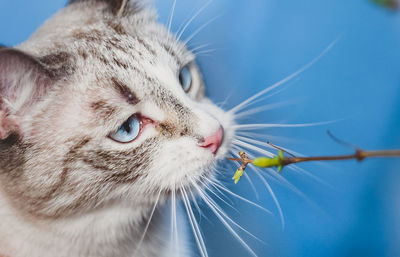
23, 80
118, 7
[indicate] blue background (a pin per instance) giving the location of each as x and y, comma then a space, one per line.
356, 211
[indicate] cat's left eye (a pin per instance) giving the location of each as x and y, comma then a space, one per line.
128, 131
185, 78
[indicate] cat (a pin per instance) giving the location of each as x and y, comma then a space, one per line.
103, 117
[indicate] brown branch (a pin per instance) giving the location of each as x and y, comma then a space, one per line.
359, 155
281, 161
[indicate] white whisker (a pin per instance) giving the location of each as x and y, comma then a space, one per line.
283, 81
220, 216
195, 227
197, 31
263, 108
262, 98
223, 213
274, 198
208, 55
277, 177
208, 199
262, 136
302, 171
289, 185
219, 197
218, 208
197, 206
148, 222
174, 226
192, 18
227, 97
253, 141
219, 191
252, 186
274, 125
206, 52
247, 177
292, 167
200, 47
239, 197
253, 147
269, 189
171, 16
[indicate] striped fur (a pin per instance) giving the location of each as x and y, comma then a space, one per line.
66, 189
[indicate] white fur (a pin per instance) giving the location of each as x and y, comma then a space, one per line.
113, 230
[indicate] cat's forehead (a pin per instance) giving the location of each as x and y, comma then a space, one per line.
108, 64
117, 43
88, 40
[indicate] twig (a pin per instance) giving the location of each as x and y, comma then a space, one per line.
281, 161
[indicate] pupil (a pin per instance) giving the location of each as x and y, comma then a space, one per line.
181, 79
127, 126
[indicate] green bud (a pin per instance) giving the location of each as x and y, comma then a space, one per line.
266, 162
280, 154
238, 174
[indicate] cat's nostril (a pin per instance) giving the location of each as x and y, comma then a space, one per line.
214, 141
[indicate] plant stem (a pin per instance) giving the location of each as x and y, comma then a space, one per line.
358, 155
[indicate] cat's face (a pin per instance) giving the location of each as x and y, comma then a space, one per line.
111, 110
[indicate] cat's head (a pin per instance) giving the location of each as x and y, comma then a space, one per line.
103, 106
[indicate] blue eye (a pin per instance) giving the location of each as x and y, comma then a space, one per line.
185, 78
128, 131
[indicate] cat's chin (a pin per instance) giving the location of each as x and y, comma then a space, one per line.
200, 178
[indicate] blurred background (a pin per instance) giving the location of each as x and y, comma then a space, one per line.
348, 208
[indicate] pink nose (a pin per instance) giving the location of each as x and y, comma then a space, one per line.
214, 141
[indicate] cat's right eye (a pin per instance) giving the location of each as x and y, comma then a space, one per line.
128, 131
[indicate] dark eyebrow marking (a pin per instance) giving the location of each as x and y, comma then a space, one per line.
125, 91
106, 110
